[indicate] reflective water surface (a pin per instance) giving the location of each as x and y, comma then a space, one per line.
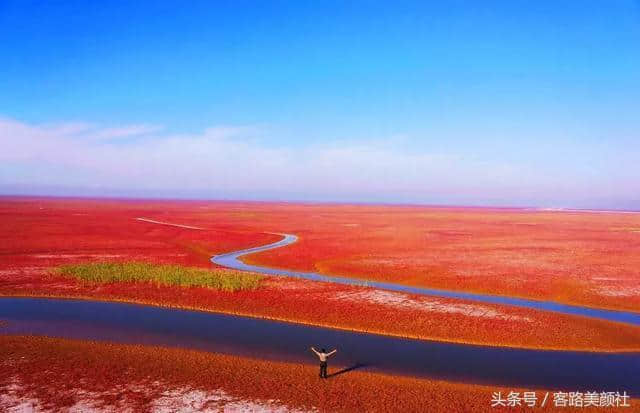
131, 323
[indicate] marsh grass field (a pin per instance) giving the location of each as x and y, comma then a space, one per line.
170, 275
66, 250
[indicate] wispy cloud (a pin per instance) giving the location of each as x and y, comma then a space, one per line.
126, 131
230, 161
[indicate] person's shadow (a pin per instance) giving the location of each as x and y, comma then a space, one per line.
346, 370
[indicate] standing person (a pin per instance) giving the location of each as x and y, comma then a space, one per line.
323, 356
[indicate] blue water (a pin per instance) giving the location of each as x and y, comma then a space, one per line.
232, 260
273, 340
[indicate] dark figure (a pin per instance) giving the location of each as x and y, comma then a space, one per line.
323, 356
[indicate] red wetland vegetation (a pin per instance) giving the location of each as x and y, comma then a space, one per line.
55, 232
580, 258
60, 375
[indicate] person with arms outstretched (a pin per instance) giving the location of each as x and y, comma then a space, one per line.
323, 356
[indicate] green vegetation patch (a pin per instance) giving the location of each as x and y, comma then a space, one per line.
104, 272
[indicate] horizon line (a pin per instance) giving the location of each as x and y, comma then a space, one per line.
128, 198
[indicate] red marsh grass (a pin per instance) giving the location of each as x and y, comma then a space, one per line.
59, 375
39, 234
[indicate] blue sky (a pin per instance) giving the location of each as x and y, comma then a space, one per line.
486, 103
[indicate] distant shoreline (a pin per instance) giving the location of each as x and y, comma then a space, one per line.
108, 198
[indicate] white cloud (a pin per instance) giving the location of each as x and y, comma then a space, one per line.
232, 161
126, 131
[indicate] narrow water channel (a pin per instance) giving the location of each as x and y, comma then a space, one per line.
232, 260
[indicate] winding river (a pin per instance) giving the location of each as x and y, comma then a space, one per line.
273, 340
232, 260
